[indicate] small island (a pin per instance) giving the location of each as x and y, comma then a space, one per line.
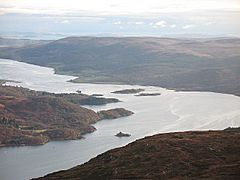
79, 91
128, 91
114, 113
121, 134
148, 94
97, 95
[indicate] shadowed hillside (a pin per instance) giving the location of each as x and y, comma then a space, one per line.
204, 65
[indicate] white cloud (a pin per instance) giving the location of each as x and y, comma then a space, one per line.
159, 24
117, 23
116, 7
209, 23
64, 21
188, 26
135, 22
178, 14
139, 23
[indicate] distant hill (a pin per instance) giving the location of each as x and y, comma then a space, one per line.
11, 42
183, 155
182, 64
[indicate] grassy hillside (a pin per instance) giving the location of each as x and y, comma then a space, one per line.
204, 65
183, 155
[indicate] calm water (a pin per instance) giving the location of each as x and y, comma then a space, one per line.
172, 111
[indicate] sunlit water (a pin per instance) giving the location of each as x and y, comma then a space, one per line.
172, 111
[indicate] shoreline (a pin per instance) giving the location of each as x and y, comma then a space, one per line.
75, 76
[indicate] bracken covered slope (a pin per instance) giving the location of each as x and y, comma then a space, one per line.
183, 155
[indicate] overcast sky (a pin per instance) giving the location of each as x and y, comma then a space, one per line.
120, 17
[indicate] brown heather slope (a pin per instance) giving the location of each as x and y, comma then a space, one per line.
36, 120
32, 118
182, 155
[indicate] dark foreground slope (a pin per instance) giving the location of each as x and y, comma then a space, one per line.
184, 155
204, 65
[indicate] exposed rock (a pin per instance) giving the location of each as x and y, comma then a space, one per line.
114, 113
128, 91
78, 91
148, 94
232, 129
91, 100
97, 95
183, 155
121, 134
10, 136
84, 99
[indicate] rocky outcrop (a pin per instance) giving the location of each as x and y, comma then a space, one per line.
121, 134
83, 99
10, 136
97, 95
148, 94
183, 155
114, 113
128, 91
